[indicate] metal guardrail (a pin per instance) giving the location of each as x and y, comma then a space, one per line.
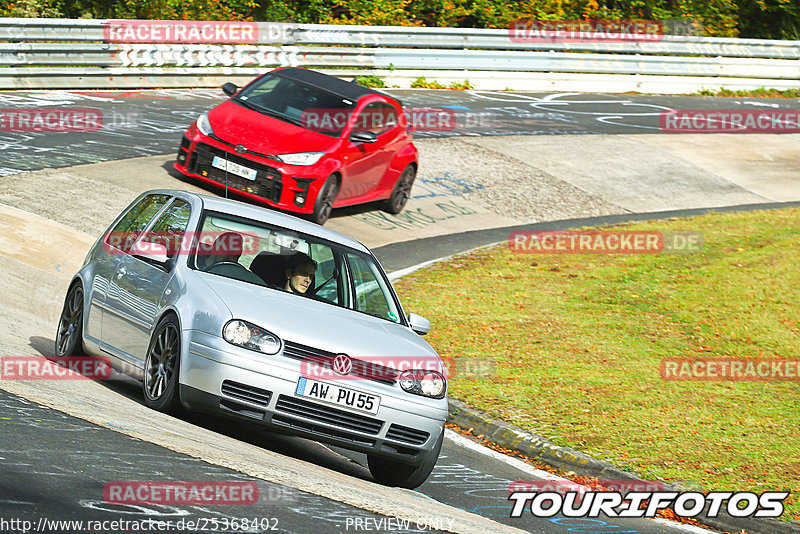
38, 44
169, 55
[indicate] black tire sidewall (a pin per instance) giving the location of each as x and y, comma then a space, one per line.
75, 347
170, 399
393, 473
330, 183
390, 205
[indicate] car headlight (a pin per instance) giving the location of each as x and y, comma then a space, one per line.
301, 158
426, 383
249, 336
204, 125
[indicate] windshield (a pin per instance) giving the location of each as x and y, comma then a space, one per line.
288, 261
301, 104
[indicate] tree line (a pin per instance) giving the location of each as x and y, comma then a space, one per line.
764, 19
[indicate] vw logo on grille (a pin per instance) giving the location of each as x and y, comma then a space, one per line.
342, 364
240, 149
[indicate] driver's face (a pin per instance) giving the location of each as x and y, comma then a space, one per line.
300, 278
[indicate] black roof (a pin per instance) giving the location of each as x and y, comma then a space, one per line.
349, 90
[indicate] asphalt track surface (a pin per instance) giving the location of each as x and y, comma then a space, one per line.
55, 465
55, 468
146, 123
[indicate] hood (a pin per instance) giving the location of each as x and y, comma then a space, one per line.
316, 324
264, 134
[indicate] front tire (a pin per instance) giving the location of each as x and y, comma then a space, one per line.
393, 473
323, 205
69, 338
401, 192
162, 366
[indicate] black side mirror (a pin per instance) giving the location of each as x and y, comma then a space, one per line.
363, 137
230, 89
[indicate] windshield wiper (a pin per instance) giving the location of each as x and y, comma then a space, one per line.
283, 117
270, 112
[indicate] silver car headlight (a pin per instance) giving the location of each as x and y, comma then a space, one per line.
250, 336
204, 125
301, 158
426, 383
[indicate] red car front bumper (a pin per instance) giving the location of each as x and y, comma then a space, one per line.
276, 184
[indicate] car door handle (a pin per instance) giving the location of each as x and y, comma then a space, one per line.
122, 272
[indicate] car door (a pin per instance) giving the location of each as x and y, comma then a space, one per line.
116, 245
366, 163
139, 285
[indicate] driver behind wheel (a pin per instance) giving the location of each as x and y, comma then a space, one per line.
300, 269
227, 247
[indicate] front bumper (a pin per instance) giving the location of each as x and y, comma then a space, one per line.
276, 184
220, 378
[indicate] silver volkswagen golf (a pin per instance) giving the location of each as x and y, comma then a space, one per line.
220, 306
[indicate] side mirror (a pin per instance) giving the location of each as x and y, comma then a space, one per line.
230, 88
152, 252
363, 137
419, 324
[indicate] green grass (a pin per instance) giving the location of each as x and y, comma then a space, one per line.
576, 341
371, 81
761, 92
422, 83
461, 86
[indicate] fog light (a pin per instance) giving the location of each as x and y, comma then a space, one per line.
298, 199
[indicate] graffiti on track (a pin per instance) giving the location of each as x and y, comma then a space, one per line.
444, 186
416, 217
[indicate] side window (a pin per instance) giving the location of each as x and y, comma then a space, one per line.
128, 229
170, 227
370, 290
377, 118
328, 275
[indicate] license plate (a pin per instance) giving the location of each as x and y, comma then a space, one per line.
333, 394
234, 168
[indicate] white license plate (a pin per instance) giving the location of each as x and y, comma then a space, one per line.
331, 393
234, 168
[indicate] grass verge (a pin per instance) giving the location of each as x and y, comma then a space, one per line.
761, 92
575, 344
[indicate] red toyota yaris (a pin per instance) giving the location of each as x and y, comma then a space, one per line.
304, 142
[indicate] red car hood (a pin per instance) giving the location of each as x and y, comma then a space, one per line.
261, 133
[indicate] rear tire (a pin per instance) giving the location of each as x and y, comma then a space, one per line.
401, 192
393, 473
323, 205
69, 337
